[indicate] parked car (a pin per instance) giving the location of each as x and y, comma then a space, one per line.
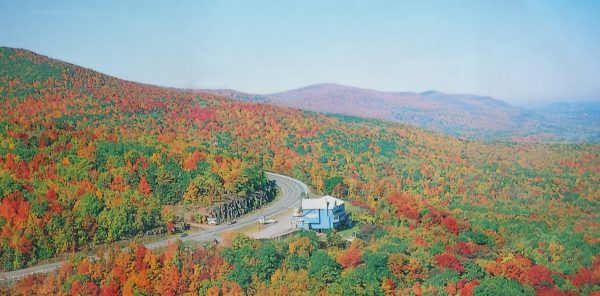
232, 222
184, 234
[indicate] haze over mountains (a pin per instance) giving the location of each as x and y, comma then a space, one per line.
453, 114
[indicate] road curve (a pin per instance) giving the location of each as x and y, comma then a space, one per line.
291, 192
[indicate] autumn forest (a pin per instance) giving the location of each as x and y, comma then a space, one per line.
87, 159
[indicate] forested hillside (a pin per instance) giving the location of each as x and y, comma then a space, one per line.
87, 158
462, 115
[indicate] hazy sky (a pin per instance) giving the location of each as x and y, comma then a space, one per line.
524, 52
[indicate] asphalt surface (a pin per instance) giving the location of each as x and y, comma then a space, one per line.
290, 194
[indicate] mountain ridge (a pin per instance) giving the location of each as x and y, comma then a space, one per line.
463, 115
459, 115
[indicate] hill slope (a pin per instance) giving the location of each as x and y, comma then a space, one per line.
89, 159
453, 114
85, 157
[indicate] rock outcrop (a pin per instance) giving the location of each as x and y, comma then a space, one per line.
238, 206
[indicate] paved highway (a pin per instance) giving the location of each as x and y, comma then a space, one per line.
291, 191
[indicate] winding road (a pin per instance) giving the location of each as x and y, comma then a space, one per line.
291, 192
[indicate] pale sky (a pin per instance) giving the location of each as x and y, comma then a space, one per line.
523, 52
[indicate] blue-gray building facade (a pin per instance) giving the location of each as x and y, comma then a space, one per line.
324, 213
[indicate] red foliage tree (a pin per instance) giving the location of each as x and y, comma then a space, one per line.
90, 288
51, 195
351, 258
15, 209
144, 186
449, 261
171, 282
466, 249
584, 276
513, 267
110, 289
450, 224
140, 253
466, 287
406, 205
200, 114
25, 245
388, 286
539, 275
191, 161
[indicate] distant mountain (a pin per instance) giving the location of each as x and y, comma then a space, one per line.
453, 114
578, 122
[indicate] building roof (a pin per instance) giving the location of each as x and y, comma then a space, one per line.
325, 202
